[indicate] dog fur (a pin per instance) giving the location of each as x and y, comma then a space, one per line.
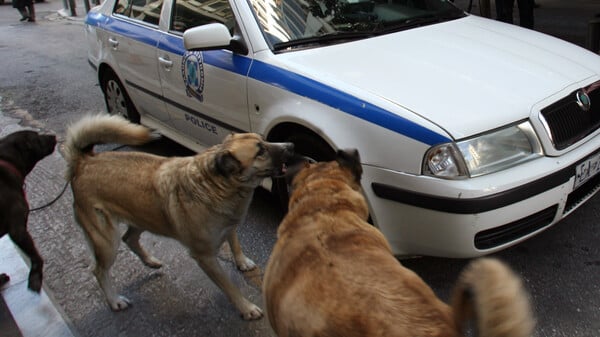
331, 273
19, 153
198, 200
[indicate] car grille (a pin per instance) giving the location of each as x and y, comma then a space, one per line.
567, 122
497, 236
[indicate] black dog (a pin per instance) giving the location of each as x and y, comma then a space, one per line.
19, 153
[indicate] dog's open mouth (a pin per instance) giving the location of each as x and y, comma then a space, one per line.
292, 166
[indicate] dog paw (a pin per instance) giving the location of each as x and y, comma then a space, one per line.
252, 313
4, 279
245, 264
35, 283
120, 303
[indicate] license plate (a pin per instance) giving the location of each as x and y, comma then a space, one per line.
587, 169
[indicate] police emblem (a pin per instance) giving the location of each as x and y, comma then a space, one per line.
192, 72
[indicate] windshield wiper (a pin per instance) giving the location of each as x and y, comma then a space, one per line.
417, 21
325, 39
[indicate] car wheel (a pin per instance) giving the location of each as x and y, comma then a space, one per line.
308, 145
117, 100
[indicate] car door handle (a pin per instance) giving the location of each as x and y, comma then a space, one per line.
113, 43
166, 63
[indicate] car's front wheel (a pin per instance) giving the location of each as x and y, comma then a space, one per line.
116, 98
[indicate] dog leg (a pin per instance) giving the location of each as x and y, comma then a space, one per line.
242, 261
105, 251
102, 273
19, 235
213, 269
132, 239
104, 241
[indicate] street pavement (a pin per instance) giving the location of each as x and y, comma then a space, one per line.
25, 314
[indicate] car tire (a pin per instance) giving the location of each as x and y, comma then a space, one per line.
308, 145
116, 98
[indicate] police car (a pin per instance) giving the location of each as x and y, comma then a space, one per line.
474, 134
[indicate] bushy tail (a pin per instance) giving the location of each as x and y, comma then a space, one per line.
101, 129
491, 295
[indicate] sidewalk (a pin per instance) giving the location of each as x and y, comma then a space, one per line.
26, 314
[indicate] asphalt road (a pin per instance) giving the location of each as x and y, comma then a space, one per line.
45, 82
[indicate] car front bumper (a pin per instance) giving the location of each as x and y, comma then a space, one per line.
421, 215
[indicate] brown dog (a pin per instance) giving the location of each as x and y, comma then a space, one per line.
198, 200
331, 273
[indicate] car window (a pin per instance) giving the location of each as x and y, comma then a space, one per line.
144, 10
192, 13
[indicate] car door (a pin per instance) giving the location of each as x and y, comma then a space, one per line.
133, 38
205, 91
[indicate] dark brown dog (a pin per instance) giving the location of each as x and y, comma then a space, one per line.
19, 153
331, 273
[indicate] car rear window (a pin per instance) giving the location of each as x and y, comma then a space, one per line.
192, 13
144, 10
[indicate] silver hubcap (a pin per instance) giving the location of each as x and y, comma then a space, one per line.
115, 99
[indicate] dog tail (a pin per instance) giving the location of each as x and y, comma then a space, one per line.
489, 293
101, 129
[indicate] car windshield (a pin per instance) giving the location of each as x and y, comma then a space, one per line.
292, 24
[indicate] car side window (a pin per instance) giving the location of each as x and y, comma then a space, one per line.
143, 10
192, 13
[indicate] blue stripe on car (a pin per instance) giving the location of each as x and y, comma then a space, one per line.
342, 101
277, 77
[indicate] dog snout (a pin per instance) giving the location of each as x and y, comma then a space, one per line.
282, 151
49, 138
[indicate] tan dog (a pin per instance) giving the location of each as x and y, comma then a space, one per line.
198, 200
333, 274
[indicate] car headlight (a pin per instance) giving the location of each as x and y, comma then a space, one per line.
486, 153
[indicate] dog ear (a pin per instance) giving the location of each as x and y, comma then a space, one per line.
228, 137
226, 164
350, 159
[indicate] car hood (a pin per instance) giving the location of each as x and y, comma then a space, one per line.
467, 75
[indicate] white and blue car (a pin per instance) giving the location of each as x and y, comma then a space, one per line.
474, 134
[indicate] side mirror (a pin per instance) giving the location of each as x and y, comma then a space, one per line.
211, 37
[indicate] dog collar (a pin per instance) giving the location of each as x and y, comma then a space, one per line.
12, 169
